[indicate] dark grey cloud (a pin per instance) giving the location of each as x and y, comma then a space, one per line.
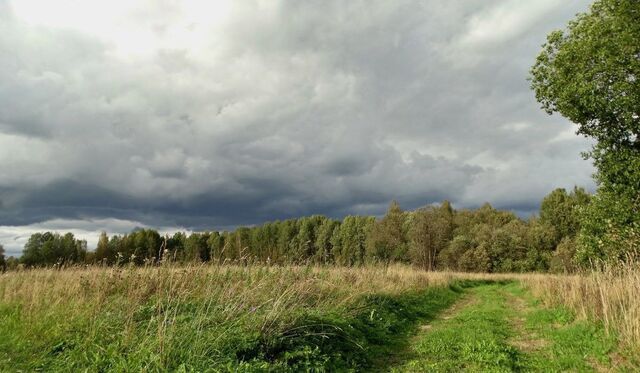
187, 114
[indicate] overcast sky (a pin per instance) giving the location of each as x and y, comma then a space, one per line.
207, 115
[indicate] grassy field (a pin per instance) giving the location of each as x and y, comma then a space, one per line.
498, 327
257, 318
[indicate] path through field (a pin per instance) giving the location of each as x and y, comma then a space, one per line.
500, 327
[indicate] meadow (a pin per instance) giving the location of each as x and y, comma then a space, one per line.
202, 317
320, 110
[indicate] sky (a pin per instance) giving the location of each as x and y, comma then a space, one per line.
194, 115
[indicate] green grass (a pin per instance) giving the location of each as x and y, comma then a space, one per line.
210, 319
189, 334
334, 340
474, 338
571, 345
380, 325
501, 328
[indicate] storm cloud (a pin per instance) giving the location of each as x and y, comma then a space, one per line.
208, 115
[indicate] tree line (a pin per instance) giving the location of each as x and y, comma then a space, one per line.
432, 238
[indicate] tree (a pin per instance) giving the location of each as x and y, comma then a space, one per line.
197, 247
175, 246
51, 248
486, 240
387, 241
507, 247
475, 260
216, 246
349, 240
306, 238
540, 242
450, 256
431, 231
563, 260
240, 243
103, 254
610, 229
323, 240
12, 263
287, 233
590, 73
116, 245
561, 211
32, 253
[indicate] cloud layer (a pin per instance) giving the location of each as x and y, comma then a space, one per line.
178, 114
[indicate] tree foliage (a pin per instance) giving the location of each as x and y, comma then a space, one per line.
430, 233
52, 248
431, 238
590, 73
561, 211
388, 239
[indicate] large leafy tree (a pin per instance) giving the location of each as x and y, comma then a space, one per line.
197, 248
590, 73
323, 240
349, 240
216, 246
387, 241
103, 254
52, 248
560, 210
306, 238
430, 232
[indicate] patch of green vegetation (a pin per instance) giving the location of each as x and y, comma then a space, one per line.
487, 326
570, 344
499, 327
473, 338
348, 339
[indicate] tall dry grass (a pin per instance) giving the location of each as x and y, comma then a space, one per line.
194, 311
238, 287
257, 287
180, 312
227, 292
610, 295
